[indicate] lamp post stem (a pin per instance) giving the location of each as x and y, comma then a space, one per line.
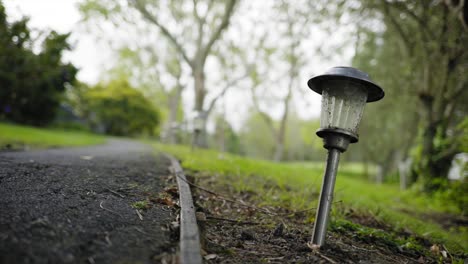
326, 197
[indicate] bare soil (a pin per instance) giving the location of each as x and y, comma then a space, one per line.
235, 230
78, 205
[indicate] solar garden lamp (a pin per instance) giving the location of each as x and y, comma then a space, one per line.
344, 91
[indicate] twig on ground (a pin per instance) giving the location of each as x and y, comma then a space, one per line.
364, 249
292, 213
194, 185
116, 193
109, 210
450, 255
242, 203
139, 230
275, 258
232, 220
316, 250
139, 214
223, 197
325, 257
109, 242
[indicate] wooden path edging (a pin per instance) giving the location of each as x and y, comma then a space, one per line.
190, 250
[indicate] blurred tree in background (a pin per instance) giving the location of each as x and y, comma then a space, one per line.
419, 55
144, 68
200, 25
302, 143
32, 82
250, 60
116, 108
292, 21
384, 142
225, 137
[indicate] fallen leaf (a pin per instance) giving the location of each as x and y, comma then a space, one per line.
175, 224
210, 256
165, 200
172, 191
86, 157
435, 249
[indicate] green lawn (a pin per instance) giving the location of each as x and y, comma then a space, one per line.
16, 136
299, 185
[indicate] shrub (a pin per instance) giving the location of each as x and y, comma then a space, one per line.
118, 109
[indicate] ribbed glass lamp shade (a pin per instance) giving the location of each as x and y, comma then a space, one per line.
343, 103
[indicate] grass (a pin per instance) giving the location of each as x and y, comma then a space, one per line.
141, 205
18, 136
298, 186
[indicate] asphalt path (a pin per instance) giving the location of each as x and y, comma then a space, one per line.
77, 205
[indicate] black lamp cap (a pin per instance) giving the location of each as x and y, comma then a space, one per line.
374, 92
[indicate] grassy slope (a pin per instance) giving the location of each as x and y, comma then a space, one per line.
20, 136
300, 184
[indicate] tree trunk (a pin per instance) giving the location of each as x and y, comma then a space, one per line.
379, 174
403, 169
434, 163
200, 92
222, 137
173, 104
279, 150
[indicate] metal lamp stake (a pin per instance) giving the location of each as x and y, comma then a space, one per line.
326, 197
344, 91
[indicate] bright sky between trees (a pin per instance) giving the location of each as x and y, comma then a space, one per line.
93, 57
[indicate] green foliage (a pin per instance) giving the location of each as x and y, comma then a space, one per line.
32, 83
16, 136
455, 192
385, 142
226, 137
73, 126
120, 109
419, 57
301, 141
462, 138
257, 139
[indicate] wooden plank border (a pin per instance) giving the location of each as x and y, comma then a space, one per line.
190, 250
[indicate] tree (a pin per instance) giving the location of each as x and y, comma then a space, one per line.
32, 82
256, 138
145, 69
432, 38
200, 25
386, 144
225, 136
294, 19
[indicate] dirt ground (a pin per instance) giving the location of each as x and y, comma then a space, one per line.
85, 205
236, 231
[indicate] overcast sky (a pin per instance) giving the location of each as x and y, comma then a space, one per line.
91, 56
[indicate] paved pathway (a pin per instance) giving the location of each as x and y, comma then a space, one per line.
75, 205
